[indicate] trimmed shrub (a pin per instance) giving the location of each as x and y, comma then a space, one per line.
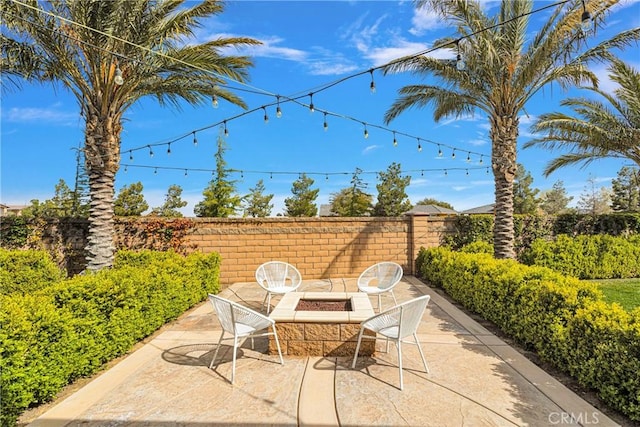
70, 329
27, 271
562, 318
587, 257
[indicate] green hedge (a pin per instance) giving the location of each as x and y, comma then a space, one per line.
27, 271
562, 318
71, 328
587, 257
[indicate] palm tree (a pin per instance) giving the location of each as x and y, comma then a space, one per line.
600, 129
505, 67
110, 54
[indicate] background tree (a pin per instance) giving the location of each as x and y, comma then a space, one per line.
392, 196
599, 129
61, 205
524, 197
302, 203
625, 188
130, 200
593, 200
172, 203
154, 54
81, 195
556, 200
258, 204
430, 201
352, 201
503, 68
220, 197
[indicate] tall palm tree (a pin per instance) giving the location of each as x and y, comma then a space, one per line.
110, 54
505, 67
600, 129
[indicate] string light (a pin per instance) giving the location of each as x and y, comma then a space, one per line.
226, 131
266, 118
460, 64
155, 171
325, 125
585, 23
366, 132
278, 110
271, 175
453, 154
372, 86
395, 141
311, 107
467, 172
195, 140
445, 172
419, 145
481, 161
214, 101
468, 157
185, 172
150, 151
118, 79
126, 169
130, 156
439, 151
422, 173
168, 149
326, 177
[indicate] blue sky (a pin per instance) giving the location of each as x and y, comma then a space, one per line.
306, 45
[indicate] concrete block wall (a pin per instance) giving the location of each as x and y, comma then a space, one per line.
320, 248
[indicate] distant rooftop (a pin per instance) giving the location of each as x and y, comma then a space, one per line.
485, 209
430, 210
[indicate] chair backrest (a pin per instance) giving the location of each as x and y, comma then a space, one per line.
384, 275
405, 316
277, 274
411, 313
224, 311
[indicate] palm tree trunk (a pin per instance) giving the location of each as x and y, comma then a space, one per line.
102, 155
504, 135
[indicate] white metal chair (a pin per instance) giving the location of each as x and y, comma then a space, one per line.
241, 322
395, 324
380, 278
277, 277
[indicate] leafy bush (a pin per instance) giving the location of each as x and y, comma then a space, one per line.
562, 318
27, 271
74, 326
588, 257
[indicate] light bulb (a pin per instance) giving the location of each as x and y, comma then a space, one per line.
118, 79
395, 141
586, 21
169, 150
460, 64
325, 124
214, 101
311, 107
266, 117
453, 154
372, 86
366, 133
439, 151
195, 140
278, 112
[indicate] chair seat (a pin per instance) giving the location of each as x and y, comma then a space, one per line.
281, 289
391, 332
242, 329
373, 289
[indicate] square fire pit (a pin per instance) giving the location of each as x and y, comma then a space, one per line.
322, 329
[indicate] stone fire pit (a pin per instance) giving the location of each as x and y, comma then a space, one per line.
318, 329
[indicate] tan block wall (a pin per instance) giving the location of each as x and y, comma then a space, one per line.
318, 247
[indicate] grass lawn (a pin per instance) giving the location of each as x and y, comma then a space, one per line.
626, 292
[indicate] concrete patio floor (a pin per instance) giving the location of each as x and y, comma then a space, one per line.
475, 379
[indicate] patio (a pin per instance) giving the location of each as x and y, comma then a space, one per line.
476, 379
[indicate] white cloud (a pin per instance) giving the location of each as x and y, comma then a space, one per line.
425, 20
370, 148
49, 116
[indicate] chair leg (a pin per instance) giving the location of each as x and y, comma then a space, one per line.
215, 355
264, 299
268, 302
379, 303
399, 344
394, 297
233, 364
426, 368
355, 356
275, 336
